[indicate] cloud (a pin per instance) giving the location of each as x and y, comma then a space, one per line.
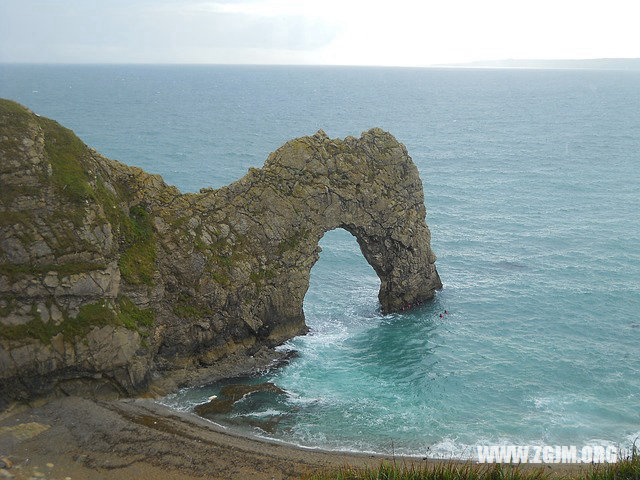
165, 31
235, 30
263, 8
357, 32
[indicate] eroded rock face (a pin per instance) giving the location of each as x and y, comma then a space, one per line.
108, 275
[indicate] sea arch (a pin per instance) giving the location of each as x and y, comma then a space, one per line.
146, 279
368, 186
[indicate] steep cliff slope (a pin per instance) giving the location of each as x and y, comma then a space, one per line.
109, 276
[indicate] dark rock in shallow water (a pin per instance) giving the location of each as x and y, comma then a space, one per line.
237, 391
109, 277
267, 426
214, 406
286, 358
230, 394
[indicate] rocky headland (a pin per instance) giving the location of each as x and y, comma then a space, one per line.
112, 281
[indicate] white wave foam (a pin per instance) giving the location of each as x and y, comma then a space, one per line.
266, 413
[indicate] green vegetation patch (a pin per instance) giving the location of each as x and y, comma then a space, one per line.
65, 152
111, 205
626, 469
8, 303
223, 258
135, 318
260, 276
123, 313
14, 121
292, 242
14, 112
137, 263
14, 270
185, 307
220, 277
35, 328
11, 191
12, 217
138, 229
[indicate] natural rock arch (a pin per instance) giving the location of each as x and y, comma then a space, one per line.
108, 275
367, 186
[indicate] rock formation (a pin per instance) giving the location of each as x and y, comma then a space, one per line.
108, 276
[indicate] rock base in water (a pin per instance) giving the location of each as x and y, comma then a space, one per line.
230, 394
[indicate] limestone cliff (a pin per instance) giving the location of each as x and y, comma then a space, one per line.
109, 276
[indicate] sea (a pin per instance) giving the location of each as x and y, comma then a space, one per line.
532, 187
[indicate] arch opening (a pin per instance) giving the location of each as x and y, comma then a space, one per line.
341, 281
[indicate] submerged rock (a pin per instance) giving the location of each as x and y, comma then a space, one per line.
230, 394
109, 276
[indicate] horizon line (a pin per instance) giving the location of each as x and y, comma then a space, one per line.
472, 65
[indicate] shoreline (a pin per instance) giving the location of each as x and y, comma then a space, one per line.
143, 439
136, 438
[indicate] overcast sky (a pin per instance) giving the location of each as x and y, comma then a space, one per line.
336, 32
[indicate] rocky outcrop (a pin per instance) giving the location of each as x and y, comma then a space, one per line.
231, 394
108, 276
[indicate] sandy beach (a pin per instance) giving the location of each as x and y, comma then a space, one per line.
141, 439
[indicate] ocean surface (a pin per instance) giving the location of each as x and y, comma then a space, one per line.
532, 186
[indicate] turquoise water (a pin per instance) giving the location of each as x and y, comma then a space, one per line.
532, 185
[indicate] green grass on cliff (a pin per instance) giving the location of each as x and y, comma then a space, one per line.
627, 469
74, 178
66, 152
98, 314
133, 317
135, 233
187, 307
13, 270
261, 275
14, 119
137, 263
292, 242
